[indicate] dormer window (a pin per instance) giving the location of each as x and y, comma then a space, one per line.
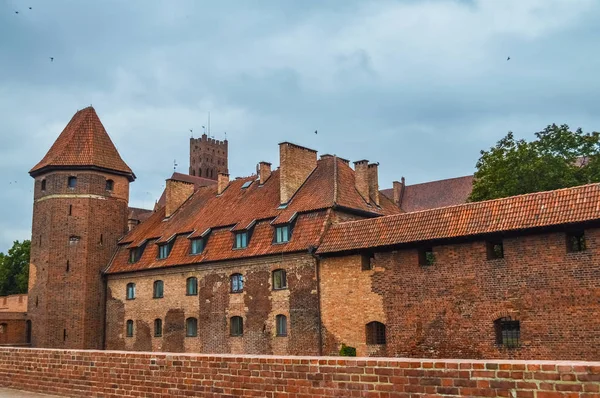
241, 240
196, 246
282, 233
136, 253
164, 250
72, 182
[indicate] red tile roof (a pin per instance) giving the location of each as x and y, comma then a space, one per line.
563, 206
434, 194
331, 185
135, 213
197, 181
84, 143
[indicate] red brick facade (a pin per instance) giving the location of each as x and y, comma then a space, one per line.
112, 374
208, 157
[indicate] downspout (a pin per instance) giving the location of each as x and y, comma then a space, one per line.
318, 274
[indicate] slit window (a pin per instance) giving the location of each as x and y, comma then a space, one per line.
495, 249
197, 246
43, 184
508, 332
68, 266
241, 240
129, 328
191, 327
375, 333
426, 257
130, 291
279, 279
158, 328
367, 261
110, 184
236, 326
191, 286
576, 242
158, 289
237, 283
281, 325
72, 182
282, 234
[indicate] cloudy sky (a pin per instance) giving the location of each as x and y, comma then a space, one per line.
419, 86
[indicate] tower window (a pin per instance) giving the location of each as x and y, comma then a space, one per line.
508, 332
236, 326
426, 257
237, 283
110, 185
129, 328
241, 240
495, 249
44, 184
576, 242
281, 325
279, 279
130, 291
67, 265
158, 328
64, 334
191, 286
70, 210
191, 327
375, 333
72, 182
158, 289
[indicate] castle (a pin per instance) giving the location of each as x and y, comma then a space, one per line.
301, 259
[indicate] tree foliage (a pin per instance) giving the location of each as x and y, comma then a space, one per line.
557, 158
14, 269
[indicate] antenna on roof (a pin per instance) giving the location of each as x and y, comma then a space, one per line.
209, 124
175, 165
226, 136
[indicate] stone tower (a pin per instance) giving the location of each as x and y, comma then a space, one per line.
80, 210
208, 157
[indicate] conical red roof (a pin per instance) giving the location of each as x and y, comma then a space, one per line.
84, 143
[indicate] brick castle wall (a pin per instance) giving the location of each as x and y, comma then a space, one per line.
208, 157
215, 304
114, 374
13, 328
447, 310
74, 235
13, 303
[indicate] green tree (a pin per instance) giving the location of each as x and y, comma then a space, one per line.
14, 269
558, 158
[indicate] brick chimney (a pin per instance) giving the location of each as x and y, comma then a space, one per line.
374, 182
361, 178
222, 182
264, 171
177, 192
296, 164
398, 192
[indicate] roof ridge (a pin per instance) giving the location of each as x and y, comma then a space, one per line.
473, 204
335, 180
443, 179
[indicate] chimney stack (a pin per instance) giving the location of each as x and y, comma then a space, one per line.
264, 171
398, 192
177, 192
374, 182
361, 178
296, 163
222, 182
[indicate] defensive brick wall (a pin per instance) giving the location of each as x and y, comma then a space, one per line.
128, 374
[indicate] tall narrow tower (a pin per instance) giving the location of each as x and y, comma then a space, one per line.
208, 157
80, 207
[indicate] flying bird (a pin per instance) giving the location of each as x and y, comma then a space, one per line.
51, 59
315, 131
16, 12
30, 8
508, 59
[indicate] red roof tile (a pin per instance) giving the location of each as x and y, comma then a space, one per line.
84, 143
540, 209
434, 194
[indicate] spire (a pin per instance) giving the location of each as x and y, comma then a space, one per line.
84, 143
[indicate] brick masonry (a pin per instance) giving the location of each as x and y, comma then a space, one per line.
214, 306
124, 374
447, 310
296, 164
208, 157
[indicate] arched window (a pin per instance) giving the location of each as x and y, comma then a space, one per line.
158, 289
279, 279
44, 184
281, 325
191, 327
72, 182
110, 184
191, 286
236, 326
130, 291
158, 328
508, 332
237, 283
129, 328
375, 333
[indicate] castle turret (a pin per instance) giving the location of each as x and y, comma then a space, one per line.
80, 210
208, 157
